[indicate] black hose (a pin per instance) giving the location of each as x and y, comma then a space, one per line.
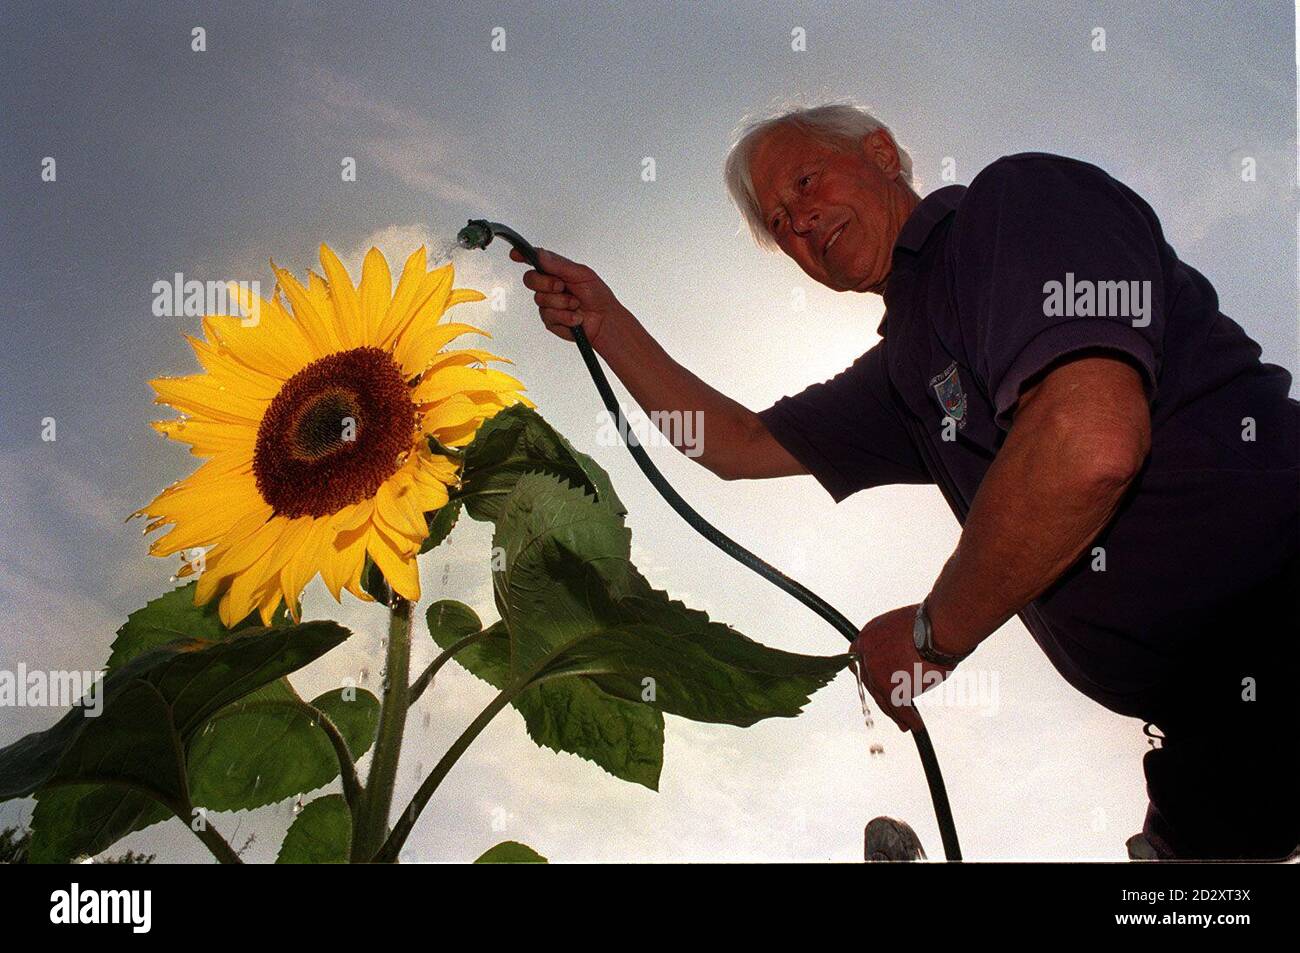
930, 762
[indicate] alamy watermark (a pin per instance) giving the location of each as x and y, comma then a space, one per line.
683, 429
1098, 299
963, 688
191, 298
21, 688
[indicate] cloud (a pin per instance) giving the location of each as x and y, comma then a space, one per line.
423, 153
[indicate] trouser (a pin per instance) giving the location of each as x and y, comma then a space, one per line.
1224, 781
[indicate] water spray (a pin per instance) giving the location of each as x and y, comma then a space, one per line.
478, 233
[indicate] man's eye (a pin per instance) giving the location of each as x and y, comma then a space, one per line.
805, 181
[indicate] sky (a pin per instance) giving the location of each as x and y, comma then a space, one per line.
210, 163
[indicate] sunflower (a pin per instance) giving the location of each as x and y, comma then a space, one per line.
314, 418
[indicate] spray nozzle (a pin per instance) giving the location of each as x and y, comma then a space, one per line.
478, 233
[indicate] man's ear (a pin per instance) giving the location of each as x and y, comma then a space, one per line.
879, 147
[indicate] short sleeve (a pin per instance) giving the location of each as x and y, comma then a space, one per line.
847, 431
1054, 257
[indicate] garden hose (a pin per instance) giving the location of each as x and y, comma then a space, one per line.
478, 233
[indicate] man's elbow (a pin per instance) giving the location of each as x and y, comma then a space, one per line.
724, 467
1104, 453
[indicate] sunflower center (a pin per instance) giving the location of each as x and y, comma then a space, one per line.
334, 433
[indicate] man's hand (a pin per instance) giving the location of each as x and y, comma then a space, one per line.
890, 667
569, 294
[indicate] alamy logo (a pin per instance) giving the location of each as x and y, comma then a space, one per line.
134, 907
675, 428
180, 298
23, 688
1098, 299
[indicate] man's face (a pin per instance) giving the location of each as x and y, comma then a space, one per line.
834, 211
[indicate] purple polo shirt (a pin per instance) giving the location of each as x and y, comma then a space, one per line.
1041, 259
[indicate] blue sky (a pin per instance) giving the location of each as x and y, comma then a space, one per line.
211, 163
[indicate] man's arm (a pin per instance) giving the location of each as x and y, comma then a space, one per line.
734, 443
1078, 439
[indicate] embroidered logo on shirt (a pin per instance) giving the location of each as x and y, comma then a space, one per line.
947, 387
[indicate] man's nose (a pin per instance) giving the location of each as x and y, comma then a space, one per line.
805, 221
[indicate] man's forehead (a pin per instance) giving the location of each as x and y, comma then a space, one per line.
777, 155
781, 150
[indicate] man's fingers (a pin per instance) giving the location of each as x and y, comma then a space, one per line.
559, 316
556, 265
559, 330
903, 716
560, 302
536, 281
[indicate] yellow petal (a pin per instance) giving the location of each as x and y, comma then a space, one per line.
395, 505
317, 328
448, 381
375, 293
344, 555
464, 356
204, 394
414, 354
400, 570
304, 564
208, 437
347, 307
462, 295
402, 307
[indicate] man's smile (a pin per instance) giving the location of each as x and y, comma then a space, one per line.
831, 239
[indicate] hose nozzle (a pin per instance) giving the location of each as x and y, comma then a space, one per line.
478, 233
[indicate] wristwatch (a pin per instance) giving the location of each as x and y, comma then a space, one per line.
923, 639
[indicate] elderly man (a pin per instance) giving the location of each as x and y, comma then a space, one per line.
1123, 465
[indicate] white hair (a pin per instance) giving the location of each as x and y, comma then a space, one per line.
841, 125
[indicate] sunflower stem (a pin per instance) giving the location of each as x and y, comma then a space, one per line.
426, 678
402, 829
352, 791
372, 826
219, 846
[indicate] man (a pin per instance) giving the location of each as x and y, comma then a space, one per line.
1124, 467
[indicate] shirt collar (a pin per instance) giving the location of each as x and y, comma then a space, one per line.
929, 212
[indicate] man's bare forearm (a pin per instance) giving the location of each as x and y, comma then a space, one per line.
1071, 454
733, 442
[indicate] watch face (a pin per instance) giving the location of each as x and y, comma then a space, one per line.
918, 631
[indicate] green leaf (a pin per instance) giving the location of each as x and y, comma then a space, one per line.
602, 653
356, 717
83, 820
441, 522
268, 747
321, 834
450, 621
174, 616
511, 852
625, 738
570, 714
518, 441
571, 599
151, 707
